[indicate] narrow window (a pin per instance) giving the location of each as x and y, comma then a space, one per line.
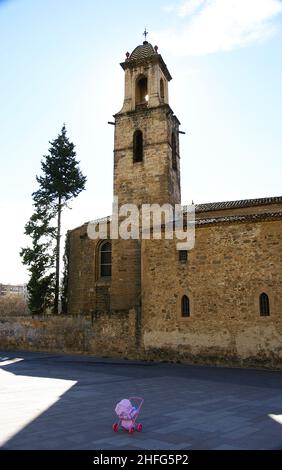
173, 150
106, 260
162, 89
264, 305
185, 307
137, 146
141, 93
183, 256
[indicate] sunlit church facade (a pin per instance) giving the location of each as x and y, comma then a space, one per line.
220, 301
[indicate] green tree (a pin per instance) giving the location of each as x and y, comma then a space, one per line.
40, 259
61, 181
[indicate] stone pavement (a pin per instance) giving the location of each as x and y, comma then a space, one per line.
52, 401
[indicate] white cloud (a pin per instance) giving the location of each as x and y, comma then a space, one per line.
211, 26
189, 7
169, 8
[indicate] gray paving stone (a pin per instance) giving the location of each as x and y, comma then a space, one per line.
226, 447
241, 432
67, 402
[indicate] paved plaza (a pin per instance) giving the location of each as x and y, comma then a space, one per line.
52, 401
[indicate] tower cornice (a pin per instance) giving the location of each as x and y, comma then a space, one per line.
146, 110
143, 61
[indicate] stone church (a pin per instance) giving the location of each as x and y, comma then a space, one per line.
220, 302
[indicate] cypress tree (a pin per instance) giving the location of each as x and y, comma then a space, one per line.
61, 181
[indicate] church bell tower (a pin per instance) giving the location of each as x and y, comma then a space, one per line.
146, 154
146, 160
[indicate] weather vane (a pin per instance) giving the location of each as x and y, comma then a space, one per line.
145, 34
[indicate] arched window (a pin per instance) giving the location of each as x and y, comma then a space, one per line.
185, 306
173, 150
106, 259
137, 146
162, 89
141, 93
264, 305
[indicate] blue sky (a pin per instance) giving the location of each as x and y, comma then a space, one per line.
59, 62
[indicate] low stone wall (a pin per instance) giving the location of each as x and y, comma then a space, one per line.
217, 343
106, 334
119, 334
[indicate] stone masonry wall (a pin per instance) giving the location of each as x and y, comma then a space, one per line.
151, 181
106, 335
230, 266
86, 291
81, 286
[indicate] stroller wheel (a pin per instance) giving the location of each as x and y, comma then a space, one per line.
131, 430
139, 427
115, 427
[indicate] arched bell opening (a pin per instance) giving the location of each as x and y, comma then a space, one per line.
141, 94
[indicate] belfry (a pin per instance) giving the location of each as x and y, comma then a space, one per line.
146, 152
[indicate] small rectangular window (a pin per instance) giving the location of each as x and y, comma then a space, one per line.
183, 256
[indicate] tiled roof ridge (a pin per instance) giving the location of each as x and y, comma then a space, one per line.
212, 206
240, 218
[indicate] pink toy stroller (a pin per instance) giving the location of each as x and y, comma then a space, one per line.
128, 413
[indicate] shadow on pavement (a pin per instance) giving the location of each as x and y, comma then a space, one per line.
186, 407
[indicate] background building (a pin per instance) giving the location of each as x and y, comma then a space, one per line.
18, 289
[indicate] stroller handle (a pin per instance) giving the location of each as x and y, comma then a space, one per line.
137, 399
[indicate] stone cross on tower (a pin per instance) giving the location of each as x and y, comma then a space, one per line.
145, 34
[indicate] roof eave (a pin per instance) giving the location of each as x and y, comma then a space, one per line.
129, 64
